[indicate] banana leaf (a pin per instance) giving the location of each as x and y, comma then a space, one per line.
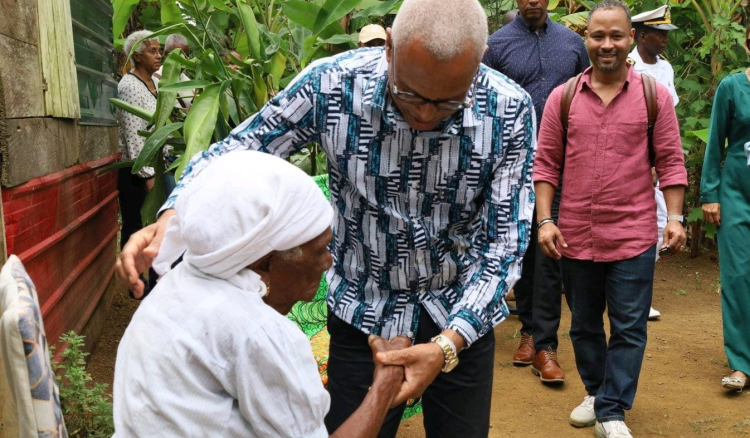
156, 196
332, 11
132, 109
153, 145
200, 124
251, 28
184, 86
165, 101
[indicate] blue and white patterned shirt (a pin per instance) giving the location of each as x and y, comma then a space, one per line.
438, 218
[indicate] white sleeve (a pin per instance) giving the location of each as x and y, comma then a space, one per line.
277, 382
671, 87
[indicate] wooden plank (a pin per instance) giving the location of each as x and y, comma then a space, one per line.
98, 142
21, 79
37, 147
69, 58
58, 59
18, 20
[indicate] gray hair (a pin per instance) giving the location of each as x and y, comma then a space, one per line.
291, 255
444, 27
134, 38
175, 40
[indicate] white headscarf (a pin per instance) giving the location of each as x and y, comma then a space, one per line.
241, 207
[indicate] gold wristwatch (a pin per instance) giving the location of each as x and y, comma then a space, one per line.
449, 352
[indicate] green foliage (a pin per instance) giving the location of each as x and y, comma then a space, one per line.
87, 407
275, 40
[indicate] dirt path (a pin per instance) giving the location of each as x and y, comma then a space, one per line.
679, 394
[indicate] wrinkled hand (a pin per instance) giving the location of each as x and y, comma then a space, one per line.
422, 363
712, 213
549, 234
674, 236
387, 377
139, 253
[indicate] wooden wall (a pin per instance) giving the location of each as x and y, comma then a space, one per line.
58, 213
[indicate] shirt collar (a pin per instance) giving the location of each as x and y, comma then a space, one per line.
586, 78
518, 21
377, 96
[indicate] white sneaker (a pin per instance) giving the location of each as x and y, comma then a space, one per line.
583, 415
653, 314
612, 429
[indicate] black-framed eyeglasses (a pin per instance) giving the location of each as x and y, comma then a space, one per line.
415, 99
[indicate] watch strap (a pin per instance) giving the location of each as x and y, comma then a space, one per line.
449, 352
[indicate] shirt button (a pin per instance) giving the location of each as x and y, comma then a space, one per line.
544, 79
415, 221
603, 126
410, 334
420, 260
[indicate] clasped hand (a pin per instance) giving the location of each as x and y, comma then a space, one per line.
417, 366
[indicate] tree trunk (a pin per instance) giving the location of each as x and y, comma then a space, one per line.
696, 238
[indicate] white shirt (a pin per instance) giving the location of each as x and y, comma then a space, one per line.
662, 72
204, 357
134, 91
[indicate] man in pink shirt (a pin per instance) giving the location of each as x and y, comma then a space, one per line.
607, 224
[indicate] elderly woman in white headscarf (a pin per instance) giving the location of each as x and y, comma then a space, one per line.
209, 353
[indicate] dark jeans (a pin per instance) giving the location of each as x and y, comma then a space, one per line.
539, 290
455, 404
624, 288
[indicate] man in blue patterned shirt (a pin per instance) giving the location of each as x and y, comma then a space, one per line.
430, 160
539, 55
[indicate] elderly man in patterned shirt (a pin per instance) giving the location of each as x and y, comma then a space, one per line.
539, 55
430, 159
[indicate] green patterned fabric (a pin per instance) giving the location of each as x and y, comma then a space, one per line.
312, 317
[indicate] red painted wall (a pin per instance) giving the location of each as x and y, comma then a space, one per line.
63, 227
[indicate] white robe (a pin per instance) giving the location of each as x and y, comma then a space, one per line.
205, 357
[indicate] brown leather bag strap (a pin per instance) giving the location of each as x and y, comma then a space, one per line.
652, 108
565, 103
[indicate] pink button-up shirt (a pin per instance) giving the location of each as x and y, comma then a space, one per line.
607, 211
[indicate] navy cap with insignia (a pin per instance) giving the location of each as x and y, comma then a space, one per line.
659, 18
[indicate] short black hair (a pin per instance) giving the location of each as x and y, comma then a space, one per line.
608, 5
643, 30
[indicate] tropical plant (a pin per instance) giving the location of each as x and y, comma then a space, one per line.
243, 52
86, 406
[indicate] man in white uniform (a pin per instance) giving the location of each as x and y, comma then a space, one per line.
651, 37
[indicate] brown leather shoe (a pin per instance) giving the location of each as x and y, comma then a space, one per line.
525, 353
547, 368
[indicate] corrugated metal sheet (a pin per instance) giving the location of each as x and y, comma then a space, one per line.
63, 227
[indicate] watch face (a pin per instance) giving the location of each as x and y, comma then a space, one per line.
450, 365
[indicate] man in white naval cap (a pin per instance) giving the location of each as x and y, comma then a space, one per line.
651, 38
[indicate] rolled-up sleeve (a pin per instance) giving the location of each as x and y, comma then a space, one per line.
669, 157
549, 154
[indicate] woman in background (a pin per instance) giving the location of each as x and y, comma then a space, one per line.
725, 195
